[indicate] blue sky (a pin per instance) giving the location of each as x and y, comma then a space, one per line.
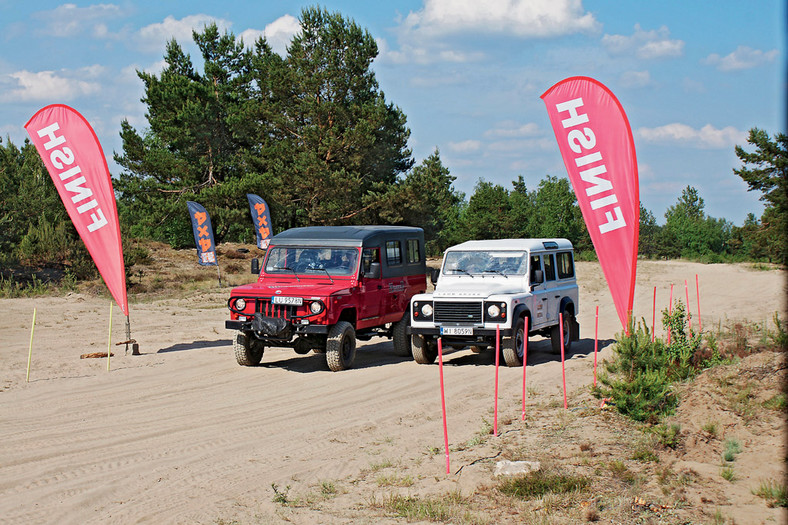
693, 77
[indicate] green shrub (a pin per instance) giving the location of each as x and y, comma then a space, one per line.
638, 378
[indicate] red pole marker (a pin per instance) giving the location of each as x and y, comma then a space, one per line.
697, 289
596, 340
670, 308
525, 360
443, 404
654, 315
563, 369
686, 293
497, 364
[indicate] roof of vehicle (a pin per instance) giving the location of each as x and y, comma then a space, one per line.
339, 235
514, 244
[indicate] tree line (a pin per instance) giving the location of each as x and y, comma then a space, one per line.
314, 135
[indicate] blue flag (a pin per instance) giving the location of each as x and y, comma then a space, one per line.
203, 234
261, 217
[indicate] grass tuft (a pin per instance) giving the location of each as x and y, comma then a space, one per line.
775, 494
540, 483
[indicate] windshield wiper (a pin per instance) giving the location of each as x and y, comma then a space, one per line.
463, 271
322, 270
495, 271
288, 268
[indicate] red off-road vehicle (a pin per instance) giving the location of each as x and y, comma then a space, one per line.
323, 287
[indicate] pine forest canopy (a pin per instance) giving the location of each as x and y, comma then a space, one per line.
311, 131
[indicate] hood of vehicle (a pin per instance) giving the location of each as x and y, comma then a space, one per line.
306, 288
477, 287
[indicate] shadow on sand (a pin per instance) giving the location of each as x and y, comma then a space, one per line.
195, 345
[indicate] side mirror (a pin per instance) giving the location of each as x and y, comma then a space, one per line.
434, 274
374, 271
256, 266
538, 277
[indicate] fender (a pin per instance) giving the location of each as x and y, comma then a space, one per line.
519, 311
567, 304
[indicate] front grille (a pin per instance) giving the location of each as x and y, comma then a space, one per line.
451, 312
275, 310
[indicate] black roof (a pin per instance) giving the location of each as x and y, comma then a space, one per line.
340, 235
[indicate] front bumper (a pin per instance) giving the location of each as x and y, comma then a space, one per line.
480, 335
270, 327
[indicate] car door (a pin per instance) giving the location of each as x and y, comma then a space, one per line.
539, 292
373, 294
552, 287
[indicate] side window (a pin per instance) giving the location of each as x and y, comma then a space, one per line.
369, 256
536, 264
549, 267
393, 253
413, 252
566, 267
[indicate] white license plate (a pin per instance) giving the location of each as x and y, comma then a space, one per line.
456, 330
291, 301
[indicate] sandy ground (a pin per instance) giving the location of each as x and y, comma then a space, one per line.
182, 434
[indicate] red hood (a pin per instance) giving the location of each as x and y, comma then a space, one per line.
321, 287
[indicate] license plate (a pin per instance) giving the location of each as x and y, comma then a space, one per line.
456, 330
291, 301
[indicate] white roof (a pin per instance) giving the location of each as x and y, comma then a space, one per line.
513, 244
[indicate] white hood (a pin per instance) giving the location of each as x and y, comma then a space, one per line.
466, 286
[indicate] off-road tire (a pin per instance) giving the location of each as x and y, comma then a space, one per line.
555, 336
514, 346
425, 350
248, 350
341, 346
399, 332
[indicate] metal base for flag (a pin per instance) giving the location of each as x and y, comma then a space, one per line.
135, 347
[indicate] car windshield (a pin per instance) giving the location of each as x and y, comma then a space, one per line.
483, 262
336, 262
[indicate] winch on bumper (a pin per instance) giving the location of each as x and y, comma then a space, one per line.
268, 320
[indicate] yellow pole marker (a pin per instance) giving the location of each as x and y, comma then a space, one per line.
30, 351
109, 337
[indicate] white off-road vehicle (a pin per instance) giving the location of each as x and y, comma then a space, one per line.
498, 284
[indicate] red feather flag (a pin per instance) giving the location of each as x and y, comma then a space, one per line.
596, 144
74, 159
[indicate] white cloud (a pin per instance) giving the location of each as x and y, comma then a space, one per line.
635, 79
511, 129
50, 86
742, 58
428, 54
466, 146
68, 20
522, 18
154, 37
707, 137
644, 44
278, 34
420, 32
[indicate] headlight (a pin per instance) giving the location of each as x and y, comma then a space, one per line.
316, 307
496, 311
240, 304
426, 310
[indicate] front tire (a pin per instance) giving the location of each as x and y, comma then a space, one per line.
400, 335
341, 346
514, 346
555, 335
248, 350
425, 349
